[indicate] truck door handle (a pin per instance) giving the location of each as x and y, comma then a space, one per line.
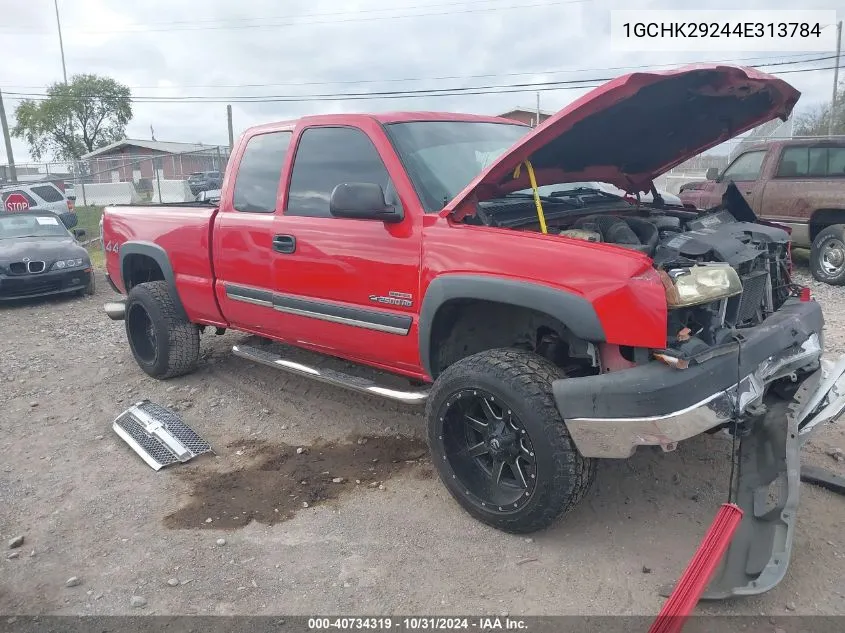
284, 243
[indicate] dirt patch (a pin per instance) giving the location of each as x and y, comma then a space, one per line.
278, 480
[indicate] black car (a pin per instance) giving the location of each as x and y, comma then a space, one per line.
204, 181
40, 257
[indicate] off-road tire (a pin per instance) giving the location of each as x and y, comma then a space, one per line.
177, 340
523, 381
828, 235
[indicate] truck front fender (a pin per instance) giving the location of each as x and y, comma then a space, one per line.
572, 310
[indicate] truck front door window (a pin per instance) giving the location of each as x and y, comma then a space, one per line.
257, 182
745, 168
327, 157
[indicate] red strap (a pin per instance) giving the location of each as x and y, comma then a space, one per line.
699, 571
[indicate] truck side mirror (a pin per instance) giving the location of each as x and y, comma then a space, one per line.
362, 201
712, 173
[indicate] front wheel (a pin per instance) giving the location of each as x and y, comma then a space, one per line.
163, 342
499, 443
827, 255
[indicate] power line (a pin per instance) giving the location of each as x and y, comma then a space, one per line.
454, 77
140, 28
572, 84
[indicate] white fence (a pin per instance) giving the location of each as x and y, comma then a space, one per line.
101, 194
171, 191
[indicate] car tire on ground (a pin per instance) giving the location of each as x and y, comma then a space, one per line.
499, 443
91, 287
827, 255
164, 343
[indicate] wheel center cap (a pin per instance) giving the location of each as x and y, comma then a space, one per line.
834, 257
502, 446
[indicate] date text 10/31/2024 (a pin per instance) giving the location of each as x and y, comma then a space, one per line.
418, 624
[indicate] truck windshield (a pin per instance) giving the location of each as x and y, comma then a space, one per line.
442, 157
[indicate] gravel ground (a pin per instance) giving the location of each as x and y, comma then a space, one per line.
105, 534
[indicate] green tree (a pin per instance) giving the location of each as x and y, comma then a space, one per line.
815, 122
85, 114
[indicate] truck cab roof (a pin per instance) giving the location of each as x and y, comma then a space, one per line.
382, 117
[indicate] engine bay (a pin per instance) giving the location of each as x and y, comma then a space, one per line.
675, 238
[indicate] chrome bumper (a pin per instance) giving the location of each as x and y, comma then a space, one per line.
619, 437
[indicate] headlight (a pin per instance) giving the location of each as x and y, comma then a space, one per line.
701, 284
68, 263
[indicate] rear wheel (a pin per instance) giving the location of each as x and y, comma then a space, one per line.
163, 342
827, 255
499, 443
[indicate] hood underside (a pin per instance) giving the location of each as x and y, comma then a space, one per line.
636, 127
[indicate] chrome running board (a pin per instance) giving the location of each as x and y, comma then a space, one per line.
330, 376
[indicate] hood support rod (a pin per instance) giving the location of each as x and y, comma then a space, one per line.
537, 202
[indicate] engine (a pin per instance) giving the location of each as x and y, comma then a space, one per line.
759, 253
675, 239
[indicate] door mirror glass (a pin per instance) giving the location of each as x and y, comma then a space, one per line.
362, 201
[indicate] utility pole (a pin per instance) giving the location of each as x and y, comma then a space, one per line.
231, 133
538, 108
835, 79
61, 44
13, 173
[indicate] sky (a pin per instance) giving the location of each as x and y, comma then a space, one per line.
223, 49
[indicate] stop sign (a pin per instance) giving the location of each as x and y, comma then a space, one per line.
16, 202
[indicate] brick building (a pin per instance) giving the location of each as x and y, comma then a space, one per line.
132, 160
526, 115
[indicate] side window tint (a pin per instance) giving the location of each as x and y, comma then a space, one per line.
836, 162
48, 193
746, 167
817, 162
794, 163
259, 172
327, 157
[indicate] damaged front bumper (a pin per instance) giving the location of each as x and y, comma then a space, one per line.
610, 415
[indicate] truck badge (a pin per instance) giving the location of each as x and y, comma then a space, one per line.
393, 298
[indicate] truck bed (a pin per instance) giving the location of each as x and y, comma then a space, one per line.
183, 233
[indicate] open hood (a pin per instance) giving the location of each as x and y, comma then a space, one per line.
636, 127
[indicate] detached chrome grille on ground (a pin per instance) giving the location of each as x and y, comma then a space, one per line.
158, 435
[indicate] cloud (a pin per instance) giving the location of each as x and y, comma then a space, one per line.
159, 49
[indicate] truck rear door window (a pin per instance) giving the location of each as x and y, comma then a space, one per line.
812, 162
326, 157
259, 173
836, 161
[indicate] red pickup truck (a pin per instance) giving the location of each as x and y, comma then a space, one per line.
542, 332
799, 182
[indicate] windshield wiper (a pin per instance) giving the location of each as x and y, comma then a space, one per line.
530, 196
566, 193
